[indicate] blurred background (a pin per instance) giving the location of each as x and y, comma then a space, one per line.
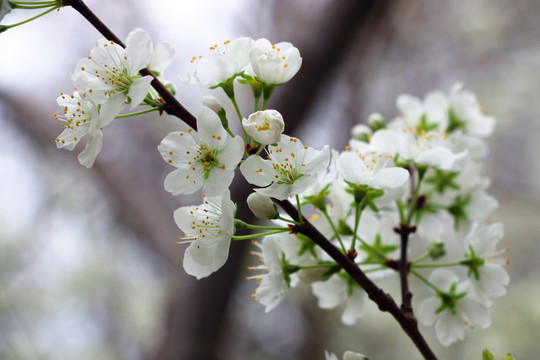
88, 263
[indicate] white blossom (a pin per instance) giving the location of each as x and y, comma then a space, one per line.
113, 72
276, 253
274, 64
340, 290
204, 159
364, 166
451, 309
487, 275
208, 228
290, 169
468, 113
81, 118
262, 206
433, 110
226, 62
265, 126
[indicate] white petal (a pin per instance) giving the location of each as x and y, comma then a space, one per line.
257, 171
354, 307
109, 110
92, 149
203, 258
178, 181
138, 50
449, 328
330, 293
162, 57
427, 313
139, 89
390, 178
218, 181
231, 154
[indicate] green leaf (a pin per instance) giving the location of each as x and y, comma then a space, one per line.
509, 357
486, 355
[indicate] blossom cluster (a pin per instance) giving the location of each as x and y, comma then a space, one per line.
417, 177
105, 82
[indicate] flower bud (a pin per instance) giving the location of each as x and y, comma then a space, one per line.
436, 250
212, 103
361, 132
5, 8
265, 127
376, 121
261, 206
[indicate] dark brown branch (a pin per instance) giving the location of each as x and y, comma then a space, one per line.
403, 267
384, 301
172, 106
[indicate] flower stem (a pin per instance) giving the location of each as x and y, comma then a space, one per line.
146, 111
425, 281
235, 104
325, 213
37, 6
15, 3
254, 236
357, 215
6, 27
436, 265
299, 207
257, 227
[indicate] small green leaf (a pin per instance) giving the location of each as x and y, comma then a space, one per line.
486, 355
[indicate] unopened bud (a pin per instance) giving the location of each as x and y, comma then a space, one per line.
361, 132
262, 207
376, 121
265, 127
436, 250
212, 103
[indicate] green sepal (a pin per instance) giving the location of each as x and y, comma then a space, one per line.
436, 250
319, 200
424, 125
375, 250
454, 123
287, 269
331, 271
473, 262
449, 300
443, 180
307, 245
239, 224
457, 209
